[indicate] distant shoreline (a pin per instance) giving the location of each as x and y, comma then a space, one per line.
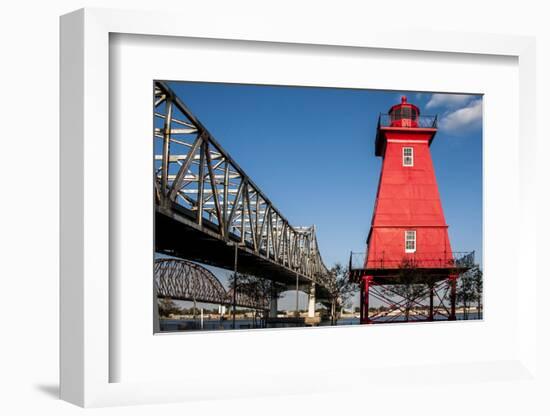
290, 314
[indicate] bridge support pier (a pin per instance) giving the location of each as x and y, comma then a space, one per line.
311, 301
273, 304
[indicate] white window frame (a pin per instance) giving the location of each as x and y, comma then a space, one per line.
408, 165
407, 239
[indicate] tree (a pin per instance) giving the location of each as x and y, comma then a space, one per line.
340, 291
478, 288
411, 286
167, 307
465, 293
257, 289
470, 290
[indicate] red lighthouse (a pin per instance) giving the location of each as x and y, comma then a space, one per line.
408, 242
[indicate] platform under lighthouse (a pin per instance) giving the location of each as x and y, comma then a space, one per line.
408, 242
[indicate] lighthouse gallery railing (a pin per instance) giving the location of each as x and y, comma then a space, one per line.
456, 259
423, 122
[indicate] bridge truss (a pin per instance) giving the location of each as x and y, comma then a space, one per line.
198, 185
184, 280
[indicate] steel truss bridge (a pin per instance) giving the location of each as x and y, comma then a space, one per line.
207, 208
183, 280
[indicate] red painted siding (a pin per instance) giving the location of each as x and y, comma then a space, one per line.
408, 199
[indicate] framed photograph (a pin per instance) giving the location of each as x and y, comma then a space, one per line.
226, 257
253, 205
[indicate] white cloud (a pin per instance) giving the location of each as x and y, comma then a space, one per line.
464, 118
450, 101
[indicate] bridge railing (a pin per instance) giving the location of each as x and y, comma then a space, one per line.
195, 174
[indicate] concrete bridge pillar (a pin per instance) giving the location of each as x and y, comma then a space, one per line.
311, 301
273, 304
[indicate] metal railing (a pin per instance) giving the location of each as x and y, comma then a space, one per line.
424, 122
456, 259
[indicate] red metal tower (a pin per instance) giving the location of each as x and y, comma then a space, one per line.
408, 242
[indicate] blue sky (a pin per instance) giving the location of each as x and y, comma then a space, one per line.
311, 150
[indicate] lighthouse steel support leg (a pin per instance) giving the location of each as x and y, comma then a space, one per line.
366, 281
361, 301
431, 313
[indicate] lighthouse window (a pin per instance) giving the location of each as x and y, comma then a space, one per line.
408, 158
410, 241
395, 115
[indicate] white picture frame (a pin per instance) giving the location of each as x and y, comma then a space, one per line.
86, 352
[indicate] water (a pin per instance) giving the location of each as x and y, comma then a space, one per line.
171, 325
